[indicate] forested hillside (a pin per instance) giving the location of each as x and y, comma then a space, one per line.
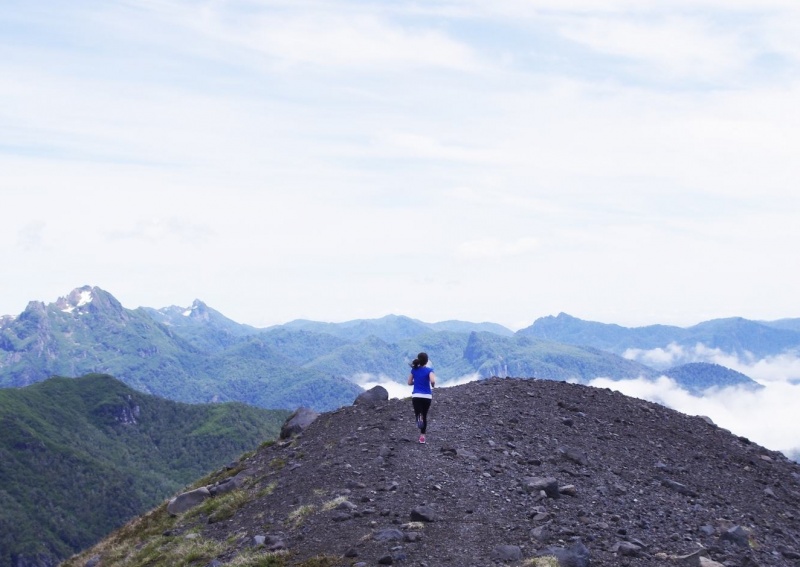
80, 456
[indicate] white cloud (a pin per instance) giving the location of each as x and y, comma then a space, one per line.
767, 416
671, 355
323, 35
490, 248
402, 390
395, 389
777, 368
680, 47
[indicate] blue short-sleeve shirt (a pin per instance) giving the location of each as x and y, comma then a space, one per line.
422, 382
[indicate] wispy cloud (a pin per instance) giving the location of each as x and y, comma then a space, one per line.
157, 229
321, 35
496, 248
667, 48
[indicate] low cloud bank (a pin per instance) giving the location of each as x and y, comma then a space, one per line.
767, 416
779, 368
403, 390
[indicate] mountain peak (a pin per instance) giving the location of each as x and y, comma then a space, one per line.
78, 298
198, 310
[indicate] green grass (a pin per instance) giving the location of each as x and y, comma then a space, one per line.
252, 558
220, 507
546, 561
331, 504
267, 490
298, 515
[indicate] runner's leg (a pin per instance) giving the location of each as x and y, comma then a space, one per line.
417, 408
425, 405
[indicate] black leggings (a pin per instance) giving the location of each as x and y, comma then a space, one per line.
421, 407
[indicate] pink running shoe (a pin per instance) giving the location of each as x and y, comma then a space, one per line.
422, 439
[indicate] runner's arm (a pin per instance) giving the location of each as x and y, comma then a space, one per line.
433, 379
410, 379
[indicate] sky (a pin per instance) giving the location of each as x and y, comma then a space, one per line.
620, 161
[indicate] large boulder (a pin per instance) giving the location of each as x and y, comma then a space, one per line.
372, 396
297, 422
187, 501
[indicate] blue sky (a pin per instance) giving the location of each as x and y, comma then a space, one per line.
629, 162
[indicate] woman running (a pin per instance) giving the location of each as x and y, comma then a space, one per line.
423, 379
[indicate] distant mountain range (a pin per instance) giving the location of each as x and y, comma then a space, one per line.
79, 457
196, 354
734, 335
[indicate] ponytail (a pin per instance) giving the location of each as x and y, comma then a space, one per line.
421, 360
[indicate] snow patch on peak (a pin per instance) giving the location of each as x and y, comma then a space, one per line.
85, 298
78, 298
187, 312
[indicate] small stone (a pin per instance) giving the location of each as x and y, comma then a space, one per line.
627, 549
738, 535
546, 484
507, 553
386, 560
789, 554
540, 533
568, 489
423, 514
388, 534
707, 530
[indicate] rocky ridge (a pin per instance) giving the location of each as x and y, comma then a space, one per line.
515, 472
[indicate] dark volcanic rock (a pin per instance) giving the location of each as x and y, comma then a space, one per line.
644, 486
298, 421
372, 396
